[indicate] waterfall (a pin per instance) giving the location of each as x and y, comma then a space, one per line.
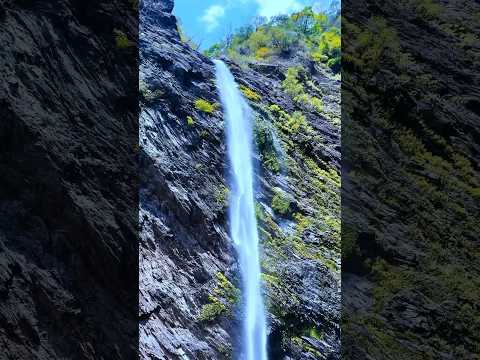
243, 223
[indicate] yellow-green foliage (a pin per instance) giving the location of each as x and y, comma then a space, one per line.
221, 300
271, 162
258, 39
314, 333
328, 176
121, 40
280, 202
390, 280
270, 280
190, 121
327, 48
211, 311
296, 89
305, 31
205, 106
475, 192
306, 347
378, 41
262, 53
331, 40
291, 84
290, 124
303, 222
225, 289
221, 196
429, 9
250, 94
295, 122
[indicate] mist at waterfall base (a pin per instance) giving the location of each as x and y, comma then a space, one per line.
243, 223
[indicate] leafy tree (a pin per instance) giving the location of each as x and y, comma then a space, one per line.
317, 34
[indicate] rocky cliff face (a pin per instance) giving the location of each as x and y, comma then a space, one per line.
189, 296
68, 190
410, 191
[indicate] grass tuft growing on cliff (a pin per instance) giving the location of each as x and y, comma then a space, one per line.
190, 121
250, 94
221, 196
211, 311
221, 300
205, 106
296, 90
121, 40
280, 202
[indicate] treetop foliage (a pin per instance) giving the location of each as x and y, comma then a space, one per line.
316, 34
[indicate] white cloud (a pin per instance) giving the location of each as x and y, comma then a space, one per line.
271, 8
212, 15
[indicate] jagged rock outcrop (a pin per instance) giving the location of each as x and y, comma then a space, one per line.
186, 256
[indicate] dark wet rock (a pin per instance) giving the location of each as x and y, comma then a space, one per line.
409, 264
68, 190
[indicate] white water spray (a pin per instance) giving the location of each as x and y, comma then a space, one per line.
243, 223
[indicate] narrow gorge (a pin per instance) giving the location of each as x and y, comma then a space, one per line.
191, 289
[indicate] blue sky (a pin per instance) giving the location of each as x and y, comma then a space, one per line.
208, 21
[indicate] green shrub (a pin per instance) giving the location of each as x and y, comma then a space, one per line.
295, 121
259, 213
314, 333
221, 196
258, 39
190, 121
204, 134
316, 103
428, 9
296, 89
223, 297
211, 311
205, 106
289, 124
250, 94
308, 31
475, 192
271, 162
262, 53
121, 40
291, 84
280, 203
303, 223
225, 289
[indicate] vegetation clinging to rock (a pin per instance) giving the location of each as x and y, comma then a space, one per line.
205, 106
280, 202
296, 89
221, 300
250, 94
314, 33
121, 40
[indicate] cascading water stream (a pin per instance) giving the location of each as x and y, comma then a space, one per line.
243, 223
